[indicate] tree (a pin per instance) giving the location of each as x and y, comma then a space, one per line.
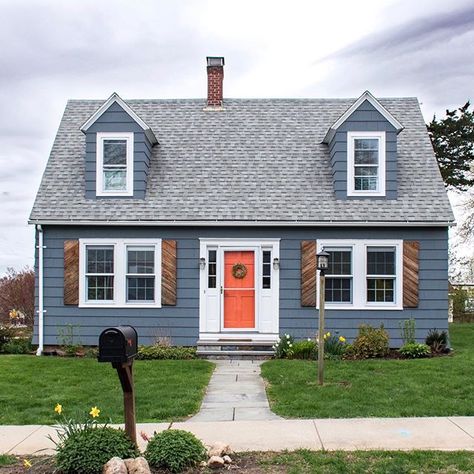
453, 143
17, 292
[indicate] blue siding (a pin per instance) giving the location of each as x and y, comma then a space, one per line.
181, 322
367, 119
115, 119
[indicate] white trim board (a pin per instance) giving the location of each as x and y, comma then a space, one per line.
104, 107
377, 105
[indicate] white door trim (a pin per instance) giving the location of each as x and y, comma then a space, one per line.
266, 300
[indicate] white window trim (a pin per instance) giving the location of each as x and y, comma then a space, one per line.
359, 274
380, 191
101, 136
120, 272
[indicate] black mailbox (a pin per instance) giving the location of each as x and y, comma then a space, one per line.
118, 344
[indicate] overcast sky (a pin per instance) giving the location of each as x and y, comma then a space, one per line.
55, 50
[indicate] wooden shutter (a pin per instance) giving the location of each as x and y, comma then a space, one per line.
308, 273
71, 272
168, 272
410, 273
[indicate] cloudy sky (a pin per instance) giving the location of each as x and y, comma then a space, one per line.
55, 50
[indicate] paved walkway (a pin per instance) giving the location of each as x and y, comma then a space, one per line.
443, 433
236, 392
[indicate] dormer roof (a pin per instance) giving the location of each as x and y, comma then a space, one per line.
366, 96
115, 98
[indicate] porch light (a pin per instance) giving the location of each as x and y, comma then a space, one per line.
276, 263
323, 261
202, 263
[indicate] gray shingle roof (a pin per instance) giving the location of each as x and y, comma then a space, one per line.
256, 160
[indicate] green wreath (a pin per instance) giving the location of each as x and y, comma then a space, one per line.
239, 270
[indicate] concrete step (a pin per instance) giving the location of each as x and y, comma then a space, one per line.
234, 354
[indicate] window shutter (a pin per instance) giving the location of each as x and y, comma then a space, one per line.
168, 273
308, 273
71, 272
410, 273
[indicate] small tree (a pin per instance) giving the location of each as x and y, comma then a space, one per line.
17, 292
453, 143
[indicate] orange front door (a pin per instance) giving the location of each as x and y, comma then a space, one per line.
239, 289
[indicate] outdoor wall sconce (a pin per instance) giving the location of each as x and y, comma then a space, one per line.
276, 263
202, 263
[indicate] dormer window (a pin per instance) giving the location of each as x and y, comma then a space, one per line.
366, 163
114, 164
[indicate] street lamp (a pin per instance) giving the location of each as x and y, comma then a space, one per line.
323, 265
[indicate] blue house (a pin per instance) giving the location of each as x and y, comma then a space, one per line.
200, 221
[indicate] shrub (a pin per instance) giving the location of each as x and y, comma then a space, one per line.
437, 341
87, 450
175, 450
18, 346
284, 347
334, 346
370, 342
305, 350
6, 335
159, 351
414, 350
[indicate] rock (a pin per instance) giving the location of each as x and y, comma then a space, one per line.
115, 466
215, 462
227, 459
219, 449
137, 466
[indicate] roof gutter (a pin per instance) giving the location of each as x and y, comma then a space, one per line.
40, 291
244, 223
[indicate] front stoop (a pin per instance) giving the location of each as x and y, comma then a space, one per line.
234, 349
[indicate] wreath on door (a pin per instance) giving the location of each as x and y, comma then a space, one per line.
239, 270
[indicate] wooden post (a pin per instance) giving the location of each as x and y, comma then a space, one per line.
322, 291
125, 373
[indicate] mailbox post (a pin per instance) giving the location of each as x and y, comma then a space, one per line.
118, 345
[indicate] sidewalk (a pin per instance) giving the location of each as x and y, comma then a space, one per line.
437, 433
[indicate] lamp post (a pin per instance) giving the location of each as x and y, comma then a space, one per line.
323, 264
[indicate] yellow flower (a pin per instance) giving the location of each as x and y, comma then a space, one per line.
342, 339
27, 463
328, 334
94, 412
58, 408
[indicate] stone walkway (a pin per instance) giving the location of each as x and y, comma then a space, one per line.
236, 392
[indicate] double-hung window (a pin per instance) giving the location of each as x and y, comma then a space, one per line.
366, 164
339, 275
120, 272
114, 164
363, 274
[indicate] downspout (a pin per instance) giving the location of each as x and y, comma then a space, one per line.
40, 292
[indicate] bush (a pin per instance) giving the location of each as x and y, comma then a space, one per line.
407, 330
87, 450
370, 342
414, 350
159, 351
175, 450
437, 340
284, 347
305, 350
18, 346
6, 335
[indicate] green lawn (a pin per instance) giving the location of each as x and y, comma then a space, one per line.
371, 462
31, 386
385, 388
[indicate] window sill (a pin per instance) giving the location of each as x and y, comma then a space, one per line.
362, 308
120, 306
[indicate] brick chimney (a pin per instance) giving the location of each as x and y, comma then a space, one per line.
215, 79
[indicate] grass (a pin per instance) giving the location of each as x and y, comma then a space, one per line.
439, 386
7, 460
371, 462
31, 386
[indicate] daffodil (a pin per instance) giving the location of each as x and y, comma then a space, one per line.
287, 336
342, 339
27, 463
58, 408
94, 412
328, 334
